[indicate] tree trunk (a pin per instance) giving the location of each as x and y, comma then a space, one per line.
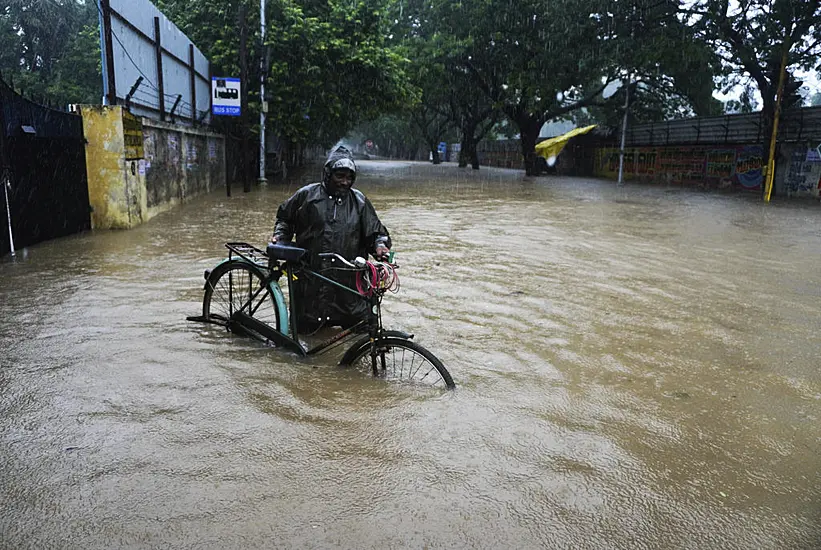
529, 127
768, 122
463, 152
474, 157
529, 134
434, 151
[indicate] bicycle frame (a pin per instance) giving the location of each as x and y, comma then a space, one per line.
244, 320
385, 352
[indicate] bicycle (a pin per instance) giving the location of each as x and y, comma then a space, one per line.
243, 294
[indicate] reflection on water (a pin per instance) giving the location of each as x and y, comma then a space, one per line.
637, 367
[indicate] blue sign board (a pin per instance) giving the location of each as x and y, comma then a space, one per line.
226, 96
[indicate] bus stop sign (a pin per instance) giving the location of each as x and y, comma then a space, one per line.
225, 96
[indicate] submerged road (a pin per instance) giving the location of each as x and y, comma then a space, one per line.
637, 367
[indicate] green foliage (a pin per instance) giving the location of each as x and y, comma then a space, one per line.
50, 49
670, 70
331, 68
396, 135
328, 63
751, 36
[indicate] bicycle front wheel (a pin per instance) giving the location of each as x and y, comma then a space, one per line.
403, 360
235, 286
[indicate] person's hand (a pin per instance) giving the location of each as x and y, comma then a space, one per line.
381, 253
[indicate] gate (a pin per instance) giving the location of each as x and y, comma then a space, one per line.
42, 155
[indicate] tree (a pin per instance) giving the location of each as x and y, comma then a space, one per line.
536, 60
327, 62
50, 50
670, 71
754, 36
395, 135
471, 112
448, 95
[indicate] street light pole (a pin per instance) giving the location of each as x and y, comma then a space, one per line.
624, 131
768, 181
263, 105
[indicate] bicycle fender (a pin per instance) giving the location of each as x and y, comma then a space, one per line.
353, 351
282, 308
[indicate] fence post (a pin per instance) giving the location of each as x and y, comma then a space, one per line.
193, 83
158, 55
210, 94
5, 169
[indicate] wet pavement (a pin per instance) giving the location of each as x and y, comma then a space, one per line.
637, 367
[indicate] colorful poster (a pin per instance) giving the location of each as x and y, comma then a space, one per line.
748, 166
721, 163
683, 164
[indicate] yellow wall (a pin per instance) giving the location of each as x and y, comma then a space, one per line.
138, 171
113, 192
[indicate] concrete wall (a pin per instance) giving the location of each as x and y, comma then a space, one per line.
130, 180
730, 166
180, 163
798, 173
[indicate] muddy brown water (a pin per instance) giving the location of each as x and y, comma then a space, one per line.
637, 367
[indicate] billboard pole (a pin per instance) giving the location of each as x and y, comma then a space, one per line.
107, 52
262, 103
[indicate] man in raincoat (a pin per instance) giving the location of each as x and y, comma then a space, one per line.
331, 216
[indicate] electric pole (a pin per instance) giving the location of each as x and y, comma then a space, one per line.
243, 70
263, 105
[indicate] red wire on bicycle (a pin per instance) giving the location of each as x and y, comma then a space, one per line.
377, 277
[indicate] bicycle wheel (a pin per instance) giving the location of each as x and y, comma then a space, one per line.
403, 360
231, 286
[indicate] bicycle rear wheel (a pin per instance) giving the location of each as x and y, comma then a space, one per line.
231, 286
403, 360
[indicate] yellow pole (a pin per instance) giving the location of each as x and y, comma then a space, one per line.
768, 187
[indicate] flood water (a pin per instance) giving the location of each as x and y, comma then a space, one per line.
637, 367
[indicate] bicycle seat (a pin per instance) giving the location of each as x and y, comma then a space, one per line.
277, 251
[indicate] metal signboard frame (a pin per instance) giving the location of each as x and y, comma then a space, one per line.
150, 65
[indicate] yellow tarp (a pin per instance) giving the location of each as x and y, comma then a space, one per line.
553, 146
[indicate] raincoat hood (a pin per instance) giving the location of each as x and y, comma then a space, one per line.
340, 157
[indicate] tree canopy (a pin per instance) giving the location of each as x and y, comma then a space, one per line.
50, 49
430, 69
753, 36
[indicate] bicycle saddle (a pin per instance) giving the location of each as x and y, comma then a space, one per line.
277, 251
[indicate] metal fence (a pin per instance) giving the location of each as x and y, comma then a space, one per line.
149, 64
796, 125
43, 184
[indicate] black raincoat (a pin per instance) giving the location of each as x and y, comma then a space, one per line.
345, 223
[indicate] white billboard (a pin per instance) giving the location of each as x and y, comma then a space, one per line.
143, 43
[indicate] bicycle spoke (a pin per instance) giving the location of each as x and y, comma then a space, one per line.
239, 288
403, 361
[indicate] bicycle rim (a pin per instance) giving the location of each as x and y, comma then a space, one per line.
403, 361
233, 286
